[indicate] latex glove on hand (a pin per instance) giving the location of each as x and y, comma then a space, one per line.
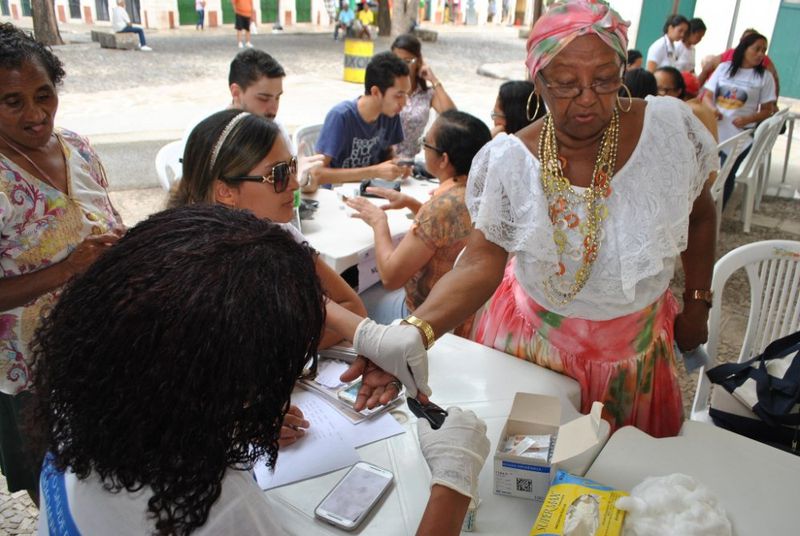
396, 349
455, 452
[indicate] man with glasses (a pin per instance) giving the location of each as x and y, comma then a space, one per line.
357, 135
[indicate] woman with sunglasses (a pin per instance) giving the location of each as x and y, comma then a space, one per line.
241, 160
441, 224
422, 97
592, 205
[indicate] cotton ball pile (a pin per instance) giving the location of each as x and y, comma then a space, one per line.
673, 504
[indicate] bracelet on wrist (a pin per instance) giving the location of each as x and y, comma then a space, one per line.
424, 327
705, 296
436, 84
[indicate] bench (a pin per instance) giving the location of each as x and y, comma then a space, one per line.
426, 35
122, 41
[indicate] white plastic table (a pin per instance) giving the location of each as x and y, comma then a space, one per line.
343, 241
462, 373
756, 484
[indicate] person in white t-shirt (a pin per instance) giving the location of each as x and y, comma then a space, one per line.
165, 372
663, 51
742, 93
121, 23
685, 48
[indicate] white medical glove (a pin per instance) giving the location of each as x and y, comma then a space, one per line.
455, 452
304, 166
396, 349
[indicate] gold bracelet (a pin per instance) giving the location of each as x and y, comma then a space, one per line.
703, 295
426, 329
437, 84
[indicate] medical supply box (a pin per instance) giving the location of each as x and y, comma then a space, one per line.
576, 445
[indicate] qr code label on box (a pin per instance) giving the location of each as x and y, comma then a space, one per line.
524, 485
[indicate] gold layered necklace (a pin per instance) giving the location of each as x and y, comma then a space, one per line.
563, 200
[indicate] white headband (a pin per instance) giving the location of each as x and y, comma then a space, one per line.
224, 135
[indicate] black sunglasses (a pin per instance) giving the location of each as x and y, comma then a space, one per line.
278, 176
430, 412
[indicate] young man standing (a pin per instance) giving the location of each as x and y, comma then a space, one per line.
244, 13
358, 135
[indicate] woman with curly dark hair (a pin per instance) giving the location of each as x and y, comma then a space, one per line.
154, 408
203, 318
55, 219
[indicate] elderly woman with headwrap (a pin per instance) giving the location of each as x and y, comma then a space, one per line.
595, 202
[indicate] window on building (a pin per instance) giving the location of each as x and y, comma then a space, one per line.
101, 9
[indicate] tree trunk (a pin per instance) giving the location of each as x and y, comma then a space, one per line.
404, 16
45, 27
384, 18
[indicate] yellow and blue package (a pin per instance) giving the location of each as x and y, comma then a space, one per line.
577, 506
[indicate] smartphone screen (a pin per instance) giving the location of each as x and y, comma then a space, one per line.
355, 495
350, 394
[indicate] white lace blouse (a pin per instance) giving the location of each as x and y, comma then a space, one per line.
648, 213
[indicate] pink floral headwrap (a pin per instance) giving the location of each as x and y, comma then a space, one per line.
567, 19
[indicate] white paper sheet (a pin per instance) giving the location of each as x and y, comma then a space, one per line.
329, 372
329, 443
324, 448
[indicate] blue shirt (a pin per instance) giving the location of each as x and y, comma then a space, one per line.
346, 16
351, 142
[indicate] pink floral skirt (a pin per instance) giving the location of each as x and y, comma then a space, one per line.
627, 363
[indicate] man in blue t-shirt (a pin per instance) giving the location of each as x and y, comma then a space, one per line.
358, 135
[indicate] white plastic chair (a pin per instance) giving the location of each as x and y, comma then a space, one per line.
773, 271
776, 124
752, 173
168, 164
305, 139
733, 147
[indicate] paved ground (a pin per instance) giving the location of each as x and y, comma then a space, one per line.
131, 103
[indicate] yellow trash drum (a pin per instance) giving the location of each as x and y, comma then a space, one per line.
357, 53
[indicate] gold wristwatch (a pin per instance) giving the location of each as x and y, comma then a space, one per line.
424, 327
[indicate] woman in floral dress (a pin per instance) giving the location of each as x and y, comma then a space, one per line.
55, 220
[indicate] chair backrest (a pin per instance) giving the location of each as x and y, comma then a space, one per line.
305, 139
773, 272
168, 164
764, 138
732, 147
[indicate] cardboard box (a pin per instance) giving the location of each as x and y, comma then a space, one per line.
577, 445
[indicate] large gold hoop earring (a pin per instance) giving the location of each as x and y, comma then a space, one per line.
630, 100
528, 106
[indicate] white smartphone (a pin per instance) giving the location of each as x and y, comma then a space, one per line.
354, 496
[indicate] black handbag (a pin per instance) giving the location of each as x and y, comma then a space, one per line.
769, 386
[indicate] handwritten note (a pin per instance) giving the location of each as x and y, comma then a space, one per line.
329, 444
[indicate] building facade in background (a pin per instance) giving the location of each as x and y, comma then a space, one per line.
725, 19
166, 14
